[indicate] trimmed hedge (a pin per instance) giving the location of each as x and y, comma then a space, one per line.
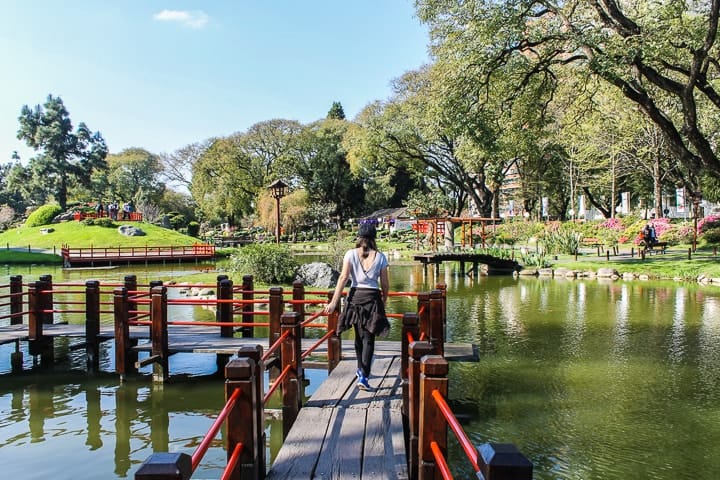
43, 216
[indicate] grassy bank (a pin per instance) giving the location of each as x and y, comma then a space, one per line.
15, 257
77, 234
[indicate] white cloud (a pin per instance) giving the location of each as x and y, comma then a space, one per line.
192, 19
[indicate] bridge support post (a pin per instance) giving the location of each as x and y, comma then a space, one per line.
335, 341
423, 307
92, 324
433, 427
417, 350
48, 302
224, 311
290, 348
165, 466
437, 324
298, 294
275, 308
37, 303
503, 461
159, 333
16, 300
241, 424
247, 295
255, 353
123, 362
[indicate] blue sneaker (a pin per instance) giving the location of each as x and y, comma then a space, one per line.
363, 384
359, 374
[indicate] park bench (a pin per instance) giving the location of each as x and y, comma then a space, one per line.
657, 247
593, 242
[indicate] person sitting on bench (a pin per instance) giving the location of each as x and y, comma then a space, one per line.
649, 236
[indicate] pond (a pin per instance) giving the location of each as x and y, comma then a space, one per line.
590, 379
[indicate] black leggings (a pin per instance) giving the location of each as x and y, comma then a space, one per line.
364, 349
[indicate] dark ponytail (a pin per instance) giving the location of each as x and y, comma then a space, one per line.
367, 244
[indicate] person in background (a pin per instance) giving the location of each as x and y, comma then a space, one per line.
367, 269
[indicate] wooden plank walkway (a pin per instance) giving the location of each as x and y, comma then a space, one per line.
347, 433
200, 339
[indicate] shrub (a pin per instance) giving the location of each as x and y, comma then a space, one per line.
561, 241
193, 229
268, 263
43, 215
105, 222
712, 236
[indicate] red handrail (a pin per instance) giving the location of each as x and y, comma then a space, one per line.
275, 345
214, 428
455, 426
232, 462
316, 345
440, 461
276, 383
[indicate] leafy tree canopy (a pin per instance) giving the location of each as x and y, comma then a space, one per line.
65, 157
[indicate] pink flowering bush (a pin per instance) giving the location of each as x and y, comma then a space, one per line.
707, 223
613, 224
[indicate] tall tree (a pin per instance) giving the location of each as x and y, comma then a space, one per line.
324, 169
336, 112
662, 56
177, 166
134, 174
66, 157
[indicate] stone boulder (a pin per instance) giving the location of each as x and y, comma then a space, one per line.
130, 231
318, 275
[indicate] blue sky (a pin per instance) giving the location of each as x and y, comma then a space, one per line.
163, 74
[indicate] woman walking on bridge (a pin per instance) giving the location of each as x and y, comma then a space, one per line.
367, 268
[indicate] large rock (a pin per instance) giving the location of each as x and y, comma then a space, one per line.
318, 274
130, 231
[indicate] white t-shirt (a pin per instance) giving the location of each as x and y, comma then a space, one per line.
365, 278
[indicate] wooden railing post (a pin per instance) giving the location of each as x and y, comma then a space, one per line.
130, 283
241, 425
443, 290
48, 299
298, 294
255, 353
410, 328
334, 347
92, 324
159, 333
224, 311
503, 461
124, 361
247, 295
433, 427
417, 351
38, 344
275, 308
16, 300
437, 323
423, 305
290, 356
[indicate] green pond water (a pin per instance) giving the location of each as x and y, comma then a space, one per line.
590, 379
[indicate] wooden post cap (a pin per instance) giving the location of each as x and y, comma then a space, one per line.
165, 466
434, 366
290, 318
418, 349
503, 461
411, 319
239, 368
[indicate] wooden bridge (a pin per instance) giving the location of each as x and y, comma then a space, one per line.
494, 265
75, 256
398, 430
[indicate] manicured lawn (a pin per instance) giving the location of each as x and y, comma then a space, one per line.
25, 258
77, 234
